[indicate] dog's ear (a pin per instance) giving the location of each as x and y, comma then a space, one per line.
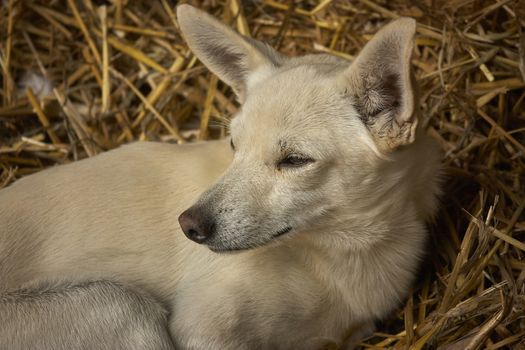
380, 85
231, 56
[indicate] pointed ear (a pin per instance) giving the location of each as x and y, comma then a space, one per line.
381, 87
231, 56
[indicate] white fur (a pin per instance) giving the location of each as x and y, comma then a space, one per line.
41, 86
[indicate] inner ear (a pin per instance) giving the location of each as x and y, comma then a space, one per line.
380, 85
378, 95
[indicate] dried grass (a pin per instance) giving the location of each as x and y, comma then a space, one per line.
120, 72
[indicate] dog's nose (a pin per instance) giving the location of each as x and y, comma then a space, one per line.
196, 225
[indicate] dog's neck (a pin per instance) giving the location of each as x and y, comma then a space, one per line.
345, 269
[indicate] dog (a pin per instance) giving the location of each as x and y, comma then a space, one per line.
302, 230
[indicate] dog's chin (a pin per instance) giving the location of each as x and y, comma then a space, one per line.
242, 248
235, 249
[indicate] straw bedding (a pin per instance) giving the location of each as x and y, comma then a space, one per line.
82, 77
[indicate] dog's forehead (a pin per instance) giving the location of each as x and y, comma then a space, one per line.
289, 93
304, 100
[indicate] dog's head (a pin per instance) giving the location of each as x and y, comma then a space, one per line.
308, 137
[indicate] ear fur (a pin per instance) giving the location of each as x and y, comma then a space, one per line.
381, 85
231, 56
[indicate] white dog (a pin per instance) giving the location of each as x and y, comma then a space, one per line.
324, 204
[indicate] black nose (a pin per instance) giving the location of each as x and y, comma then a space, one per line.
196, 225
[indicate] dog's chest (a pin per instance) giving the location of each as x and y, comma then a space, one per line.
253, 309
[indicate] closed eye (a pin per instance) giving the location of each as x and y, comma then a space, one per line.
294, 161
232, 145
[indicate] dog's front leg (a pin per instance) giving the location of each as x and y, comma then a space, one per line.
91, 315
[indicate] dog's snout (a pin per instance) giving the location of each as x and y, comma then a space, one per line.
197, 225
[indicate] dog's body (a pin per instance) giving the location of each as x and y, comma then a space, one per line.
328, 181
113, 216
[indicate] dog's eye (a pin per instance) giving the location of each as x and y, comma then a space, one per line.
294, 161
232, 145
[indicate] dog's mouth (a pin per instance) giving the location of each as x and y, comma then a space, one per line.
282, 232
251, 247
